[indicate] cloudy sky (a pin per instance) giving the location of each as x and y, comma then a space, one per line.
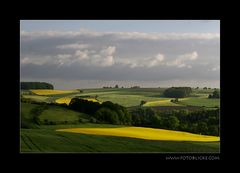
96, 53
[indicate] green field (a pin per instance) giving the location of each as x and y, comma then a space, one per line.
132, 97
47, 139
37, 98
201, 101
54, 114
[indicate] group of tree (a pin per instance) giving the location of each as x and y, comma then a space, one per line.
214, 95
135, 87
107, 112
177, 92
205, 88
35, 85
201, 122
116, 86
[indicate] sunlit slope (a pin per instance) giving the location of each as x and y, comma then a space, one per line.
52, 92
144, 133
67, 100
161, 103
62, 100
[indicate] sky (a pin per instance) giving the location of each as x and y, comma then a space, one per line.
95, 53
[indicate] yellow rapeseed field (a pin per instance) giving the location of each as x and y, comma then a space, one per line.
144, 133
62, 100
67, 100
51, 92
165, 102
91, 99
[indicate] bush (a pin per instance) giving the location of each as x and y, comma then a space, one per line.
177, 92
215, 94
36, 85
93, 120
106, 115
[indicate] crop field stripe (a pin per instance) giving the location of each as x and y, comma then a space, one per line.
30, 140
25, 142
144, 133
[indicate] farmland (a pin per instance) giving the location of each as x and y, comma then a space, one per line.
52, 92
54, 133
153, 97
47, 139
143, 133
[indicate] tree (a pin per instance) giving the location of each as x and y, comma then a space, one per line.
35, 85
116, 86
135, 87
107, 115
142, 102
202, 128
173, 122
177, 92
215, 94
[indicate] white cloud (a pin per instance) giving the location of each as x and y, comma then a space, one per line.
157, 60
108, 51
216, 68
63, 59
142, 62
37, 61
183, 59
105, 57
73, 46
81, 55
120, 35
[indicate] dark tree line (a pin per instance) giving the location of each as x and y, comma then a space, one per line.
214, 95
107, 112
36, 85
201, 122
177, 92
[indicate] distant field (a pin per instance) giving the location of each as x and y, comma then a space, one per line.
127, 96
144, 133
67, 100
47, 139
52, 92
54, 114
37, 98
201, 101
164, 102
62, 100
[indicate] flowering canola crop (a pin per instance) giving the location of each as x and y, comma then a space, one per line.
67, 100
52, 92
144, 133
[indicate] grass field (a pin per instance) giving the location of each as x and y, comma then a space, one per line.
47, 139
201, 101
60, 115
54, 114
144, 133
37, 98
165, 102
127, 96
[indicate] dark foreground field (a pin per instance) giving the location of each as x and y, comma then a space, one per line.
46, 139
